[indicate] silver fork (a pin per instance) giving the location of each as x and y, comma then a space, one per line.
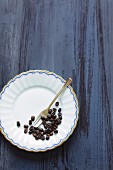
44, 113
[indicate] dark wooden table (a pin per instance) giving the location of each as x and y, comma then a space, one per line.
73, 38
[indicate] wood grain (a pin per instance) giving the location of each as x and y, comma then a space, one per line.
73, 38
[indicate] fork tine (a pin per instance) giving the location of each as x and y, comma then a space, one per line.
36, 121
39, 123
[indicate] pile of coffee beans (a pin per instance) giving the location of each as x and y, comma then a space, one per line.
50, 124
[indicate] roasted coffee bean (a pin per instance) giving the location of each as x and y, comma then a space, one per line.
30, 122
36, 128
53, 113
45, 131
52, 123
36, 137
54, 109
60, 117
25, 130
49, 116
55, 127
48, 131
59, 114
55, 131
51, 120
43, 137
45, 126
41, 133
43, 122
25, 126
34, 134
39, 136
40, 129
31, 128
43, 118
56, 123
51, 133
30, 132
37, 132
32, 118
57, 104
47, 137
59, 121
54, 116
18, 124
50, 111
59, 110
46, 119
48, 125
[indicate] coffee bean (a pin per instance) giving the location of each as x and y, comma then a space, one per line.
48, 131
40, 129
57, 104
36, 137
55, 127
45, 126
49, 116
51, 133
59, 114
45, 131
50, 110
32, 118
37, 132
54, 109
34, 134
59, 110
39, 136
36, 128
30, 132
25, 126
47, 137
18, 124
60, 117
25, 130
30, 122
59, 121
56, 123
54, 116
51, 120
55, 131
46, 119
43, 122
43, 137
42, 133
43, 118
48, 125
31, 128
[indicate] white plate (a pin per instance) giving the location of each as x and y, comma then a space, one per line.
28, 94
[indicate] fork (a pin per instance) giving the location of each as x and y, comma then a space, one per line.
44, 113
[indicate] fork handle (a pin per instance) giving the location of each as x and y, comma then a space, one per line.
67, 83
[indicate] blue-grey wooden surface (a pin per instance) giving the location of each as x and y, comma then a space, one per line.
73, 38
